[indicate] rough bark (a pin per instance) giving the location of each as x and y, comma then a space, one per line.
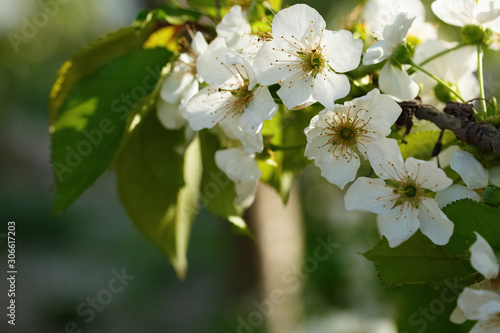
458, 119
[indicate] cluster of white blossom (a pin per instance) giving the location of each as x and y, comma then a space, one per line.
224, 85
481, 301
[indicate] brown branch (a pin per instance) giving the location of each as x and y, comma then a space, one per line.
463, 124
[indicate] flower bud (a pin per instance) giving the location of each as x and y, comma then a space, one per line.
491, 195
444, 94
403, 53
474, 34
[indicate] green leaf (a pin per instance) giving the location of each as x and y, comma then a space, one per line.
217, 190
419, 261
470, 216
160, 188
172, 15
93, 56
421, 144
92, 119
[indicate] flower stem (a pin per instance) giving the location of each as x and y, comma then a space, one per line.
423, 70
437, 55
480, 77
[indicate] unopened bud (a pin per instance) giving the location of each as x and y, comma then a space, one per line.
491, 195
444, 94
403, 53
474, 34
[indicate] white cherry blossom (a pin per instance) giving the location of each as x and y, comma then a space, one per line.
232, 99
459, 13
242, 169
335, 138
306, 59
401, 203
481, 301
393, 80
180, 86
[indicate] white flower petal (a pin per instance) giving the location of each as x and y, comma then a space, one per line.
483, 258
495, 26
262, 107
378, 52
296, 93
241, 65
471, 302
338, 171
369, 195
427, 174
386, 160
433, 223
330, 87
169, 115
399, 224
242, 169
267, 64
454, 193
396, 31
486, 11
200, 109
212, 65
378, 13
297, 22
458, 316
252, 142
188, 93
397, 83
381, 111
494, 174
454, 12
472, 172
233, 25
199, 44
341, 50
174, 86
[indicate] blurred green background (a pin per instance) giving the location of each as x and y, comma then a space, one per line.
64, 260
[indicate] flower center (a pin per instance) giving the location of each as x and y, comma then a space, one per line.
312, 61
411, 191
345, 132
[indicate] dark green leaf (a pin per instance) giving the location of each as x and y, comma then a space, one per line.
159, 188
91, 121
418, 261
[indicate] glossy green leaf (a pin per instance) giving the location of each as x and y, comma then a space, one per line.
419, 261
92, 57
160, 188
91, 121
421, 144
